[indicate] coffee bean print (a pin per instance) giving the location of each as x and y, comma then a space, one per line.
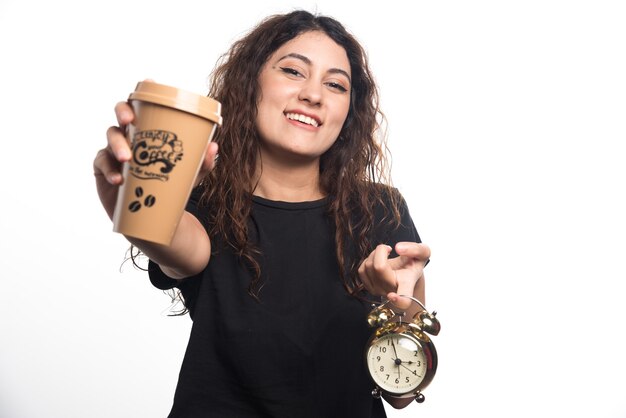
149, 200
134, 206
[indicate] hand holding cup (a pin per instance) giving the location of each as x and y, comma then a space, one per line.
145, 174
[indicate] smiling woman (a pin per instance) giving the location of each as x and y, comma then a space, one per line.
304, 103
290, 232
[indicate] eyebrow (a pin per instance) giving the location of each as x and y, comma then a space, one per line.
307, 61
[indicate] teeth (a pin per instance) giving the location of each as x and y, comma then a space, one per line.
303, 119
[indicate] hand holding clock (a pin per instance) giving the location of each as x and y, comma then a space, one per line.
390, 277
394, 339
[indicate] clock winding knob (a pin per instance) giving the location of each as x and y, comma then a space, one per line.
428, 322
379, 316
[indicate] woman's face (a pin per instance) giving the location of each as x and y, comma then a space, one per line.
305, 97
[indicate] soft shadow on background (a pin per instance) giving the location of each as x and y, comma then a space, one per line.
505, 122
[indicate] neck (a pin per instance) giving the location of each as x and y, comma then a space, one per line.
287, 181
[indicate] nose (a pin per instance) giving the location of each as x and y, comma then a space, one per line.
311, 92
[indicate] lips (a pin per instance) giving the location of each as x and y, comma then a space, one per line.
306, 119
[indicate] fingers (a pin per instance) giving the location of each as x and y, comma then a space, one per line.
124, 113
118, 144
209, 158
375, 272
208, 163
105, 165
392, 277
413, 250
410, 263
108, 161
410, 254
116, 138
405, 288
379, 263
419, 292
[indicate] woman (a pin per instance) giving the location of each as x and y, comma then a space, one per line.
288, 235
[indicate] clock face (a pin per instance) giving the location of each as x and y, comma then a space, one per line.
397, 363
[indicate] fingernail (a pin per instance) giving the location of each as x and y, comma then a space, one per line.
123, 155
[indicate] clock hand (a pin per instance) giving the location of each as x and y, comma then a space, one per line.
394, 351
407, 368
396, 360
412, 371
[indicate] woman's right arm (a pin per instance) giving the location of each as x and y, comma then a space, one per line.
190, 249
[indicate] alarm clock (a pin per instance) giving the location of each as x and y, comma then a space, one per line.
400, 356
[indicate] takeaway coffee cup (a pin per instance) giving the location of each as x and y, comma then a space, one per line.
168, 139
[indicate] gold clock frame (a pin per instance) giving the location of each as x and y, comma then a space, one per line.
422, 323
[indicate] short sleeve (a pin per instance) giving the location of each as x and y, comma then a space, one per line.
391, 234
159, 279
406, 223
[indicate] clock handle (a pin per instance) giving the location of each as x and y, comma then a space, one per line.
424, 320
414, 299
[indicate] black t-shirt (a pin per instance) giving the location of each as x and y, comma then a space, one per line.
299, 351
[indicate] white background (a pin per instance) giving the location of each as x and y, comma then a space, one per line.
506, 122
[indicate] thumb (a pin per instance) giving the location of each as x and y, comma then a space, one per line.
398, 298
210, 157
208, 163
414, 250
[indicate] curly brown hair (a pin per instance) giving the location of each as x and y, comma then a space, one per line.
349, 170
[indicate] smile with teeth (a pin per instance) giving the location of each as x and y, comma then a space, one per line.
302, 118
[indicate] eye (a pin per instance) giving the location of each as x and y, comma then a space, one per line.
337, 86
290, 71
